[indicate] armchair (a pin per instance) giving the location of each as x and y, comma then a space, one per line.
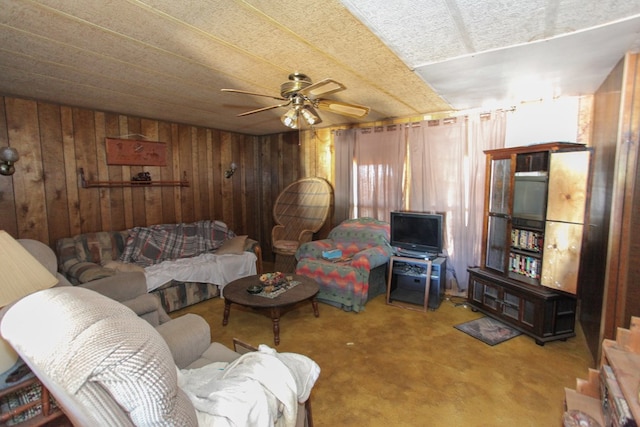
361, 273
299, 212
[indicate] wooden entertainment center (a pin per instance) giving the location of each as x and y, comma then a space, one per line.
535, 199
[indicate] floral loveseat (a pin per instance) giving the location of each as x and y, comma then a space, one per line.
165, 253
360, 274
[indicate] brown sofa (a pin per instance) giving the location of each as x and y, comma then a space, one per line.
90, 256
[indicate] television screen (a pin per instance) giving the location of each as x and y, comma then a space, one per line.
529, 197
417, 233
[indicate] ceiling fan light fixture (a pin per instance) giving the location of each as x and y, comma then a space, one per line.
302, 95
290, 118
310, 115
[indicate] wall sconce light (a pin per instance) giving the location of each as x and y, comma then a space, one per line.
8, 156
232, 169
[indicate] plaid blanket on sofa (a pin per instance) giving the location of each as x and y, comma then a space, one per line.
151, 245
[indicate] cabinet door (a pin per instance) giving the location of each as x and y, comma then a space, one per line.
568, 179
568, 186
499, 210
563, 244
486, 295
500, 186
497, 247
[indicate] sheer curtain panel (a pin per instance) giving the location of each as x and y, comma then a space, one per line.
437, 179
344, 142
378, 171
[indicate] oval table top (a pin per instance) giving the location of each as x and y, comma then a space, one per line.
236, 292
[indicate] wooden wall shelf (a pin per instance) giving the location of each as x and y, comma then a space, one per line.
94, 184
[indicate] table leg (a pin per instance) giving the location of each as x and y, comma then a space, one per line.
275, 318
314, 303
227, 308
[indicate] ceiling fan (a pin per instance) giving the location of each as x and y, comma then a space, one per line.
303, 96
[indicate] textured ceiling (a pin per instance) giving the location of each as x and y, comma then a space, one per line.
475, 53
168, 59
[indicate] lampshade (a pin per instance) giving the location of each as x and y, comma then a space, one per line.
310, 115
290, 118
20, 273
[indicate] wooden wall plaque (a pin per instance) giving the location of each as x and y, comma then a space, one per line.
133, 152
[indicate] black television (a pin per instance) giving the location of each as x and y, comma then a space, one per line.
417, 234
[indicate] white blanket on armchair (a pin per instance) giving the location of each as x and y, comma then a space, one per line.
260, 388
205, 268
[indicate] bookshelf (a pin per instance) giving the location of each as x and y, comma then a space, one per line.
525, 255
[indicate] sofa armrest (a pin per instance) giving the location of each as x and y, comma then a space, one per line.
130, 289
120, 287
314, 249
375, 256
148, 307
254, 246
188, 337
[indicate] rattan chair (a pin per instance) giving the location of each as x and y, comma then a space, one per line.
299, 211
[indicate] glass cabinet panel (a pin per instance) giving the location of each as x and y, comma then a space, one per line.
511, 305
497, 243
500, 186
499, 210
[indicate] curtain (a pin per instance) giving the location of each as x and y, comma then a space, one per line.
344, 141
437, 180
428, 166
447, 170
486, 132
378, 170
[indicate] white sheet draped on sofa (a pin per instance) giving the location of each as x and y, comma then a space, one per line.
204, 268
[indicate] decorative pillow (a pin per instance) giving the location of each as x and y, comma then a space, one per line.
122, 267
235, 245
95, 247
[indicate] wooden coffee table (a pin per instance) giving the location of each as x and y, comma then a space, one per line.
236, 292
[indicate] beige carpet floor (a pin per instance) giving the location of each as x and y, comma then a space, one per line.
389, 366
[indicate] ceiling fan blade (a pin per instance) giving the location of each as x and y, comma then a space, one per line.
259, 110
253, 93
351, 110
323, 87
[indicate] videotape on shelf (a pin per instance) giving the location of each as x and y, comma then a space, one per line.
615, 408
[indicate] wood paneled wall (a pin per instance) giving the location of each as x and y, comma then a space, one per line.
610, 276
44, 200
622, 286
